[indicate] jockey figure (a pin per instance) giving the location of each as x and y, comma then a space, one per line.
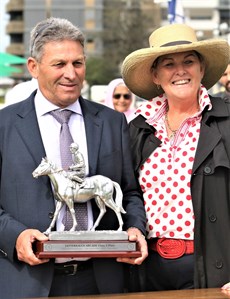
76, 171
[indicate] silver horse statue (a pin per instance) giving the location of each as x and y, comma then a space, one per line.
98, 187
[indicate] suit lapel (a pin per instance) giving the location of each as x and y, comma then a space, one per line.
209, 138
27, 126
93, 127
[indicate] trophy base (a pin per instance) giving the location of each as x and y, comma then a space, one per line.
106, 244
73, 249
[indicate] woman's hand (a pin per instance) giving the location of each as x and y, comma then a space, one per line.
226, 287
136, 235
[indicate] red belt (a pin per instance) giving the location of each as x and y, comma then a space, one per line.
172, 248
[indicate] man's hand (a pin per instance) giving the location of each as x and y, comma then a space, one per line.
24, 246
226, 287
135, 234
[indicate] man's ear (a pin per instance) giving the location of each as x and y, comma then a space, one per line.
32, 66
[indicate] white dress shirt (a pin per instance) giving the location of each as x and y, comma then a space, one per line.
50, 132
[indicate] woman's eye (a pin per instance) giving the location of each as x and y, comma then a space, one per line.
169, 64
188, 61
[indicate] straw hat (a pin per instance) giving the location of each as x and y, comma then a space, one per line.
136, 68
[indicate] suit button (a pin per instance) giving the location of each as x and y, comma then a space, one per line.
51, 215
219, 264
207, 170
212, 218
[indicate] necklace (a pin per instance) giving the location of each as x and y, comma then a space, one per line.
168, 125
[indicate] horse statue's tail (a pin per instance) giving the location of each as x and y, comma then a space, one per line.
119, 197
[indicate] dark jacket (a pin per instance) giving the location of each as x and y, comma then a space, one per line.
29, 203
210, 188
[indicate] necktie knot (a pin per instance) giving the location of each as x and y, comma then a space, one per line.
62, 116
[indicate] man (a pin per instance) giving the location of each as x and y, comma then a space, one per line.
224, 83
28, 132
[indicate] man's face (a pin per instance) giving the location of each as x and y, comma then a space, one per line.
60, 72
225, 79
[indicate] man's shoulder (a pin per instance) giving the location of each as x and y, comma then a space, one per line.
99, 108
20, 108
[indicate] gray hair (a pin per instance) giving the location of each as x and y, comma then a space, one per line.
52, 29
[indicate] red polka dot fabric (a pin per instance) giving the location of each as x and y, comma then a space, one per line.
165, 176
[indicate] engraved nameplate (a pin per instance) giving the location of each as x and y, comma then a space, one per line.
90, 246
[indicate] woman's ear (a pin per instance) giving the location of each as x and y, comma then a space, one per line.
202, 69
155, 77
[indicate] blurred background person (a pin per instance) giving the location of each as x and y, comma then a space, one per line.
20, 91
85, 89
224, 84
120, 98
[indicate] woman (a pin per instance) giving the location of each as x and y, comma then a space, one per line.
120, 98
181, 149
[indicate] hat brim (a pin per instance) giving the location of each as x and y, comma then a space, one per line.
136, 68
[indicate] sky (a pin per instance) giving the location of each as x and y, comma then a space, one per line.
4, 39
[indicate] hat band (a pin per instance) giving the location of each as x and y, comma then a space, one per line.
179, 42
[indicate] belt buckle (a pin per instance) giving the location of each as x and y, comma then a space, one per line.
74, 269
171, 248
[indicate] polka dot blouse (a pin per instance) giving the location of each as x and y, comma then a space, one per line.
165, 176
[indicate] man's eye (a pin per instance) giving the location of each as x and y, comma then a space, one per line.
59, 64
78, 63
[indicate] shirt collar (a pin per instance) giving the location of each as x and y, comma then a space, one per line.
43, 106
156, 107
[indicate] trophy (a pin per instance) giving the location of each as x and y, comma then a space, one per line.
72, 187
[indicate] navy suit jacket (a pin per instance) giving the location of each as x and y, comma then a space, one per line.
26, 202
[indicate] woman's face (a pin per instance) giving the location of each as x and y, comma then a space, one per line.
179, 75
122, 98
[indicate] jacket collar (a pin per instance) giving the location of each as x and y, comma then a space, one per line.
144, 142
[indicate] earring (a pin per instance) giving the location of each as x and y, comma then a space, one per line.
158, 87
